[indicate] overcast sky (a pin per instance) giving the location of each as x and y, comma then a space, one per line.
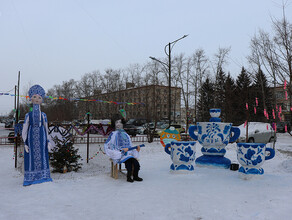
51, 41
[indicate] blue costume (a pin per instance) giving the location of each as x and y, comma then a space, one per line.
35, 136
114, 145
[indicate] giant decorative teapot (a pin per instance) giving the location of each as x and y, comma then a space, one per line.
214, 137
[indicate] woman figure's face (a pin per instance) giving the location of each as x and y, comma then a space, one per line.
36, 99
119, 124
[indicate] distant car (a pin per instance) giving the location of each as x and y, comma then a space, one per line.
11, 137
137, 122
131, 129
178, 127
258, 132
281, 127
160, 129
160, 126
9, 124
140, 124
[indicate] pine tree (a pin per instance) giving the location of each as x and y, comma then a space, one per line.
262, 93
243, 84
64, 157
220, 92
230, 100
206, 100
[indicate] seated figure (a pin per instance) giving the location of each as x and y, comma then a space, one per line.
117, 148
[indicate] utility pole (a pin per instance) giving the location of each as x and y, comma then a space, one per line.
169, 84
16, 119
168, 53
88, 130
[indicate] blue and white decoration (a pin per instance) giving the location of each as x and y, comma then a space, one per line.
35, 137
214, 137
252, 156
114, 145
36, 90
182, 154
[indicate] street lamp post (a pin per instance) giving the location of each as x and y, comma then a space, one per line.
168, 53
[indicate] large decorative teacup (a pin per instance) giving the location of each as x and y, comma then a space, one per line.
214, 136
182, 154
252, 156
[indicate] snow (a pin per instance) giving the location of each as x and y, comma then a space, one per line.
203, 194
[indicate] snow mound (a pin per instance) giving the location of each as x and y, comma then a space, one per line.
287, 165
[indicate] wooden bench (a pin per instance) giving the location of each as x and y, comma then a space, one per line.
116, 169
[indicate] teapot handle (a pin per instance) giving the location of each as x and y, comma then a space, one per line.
272, 153
236, 133
166, 148
192, 130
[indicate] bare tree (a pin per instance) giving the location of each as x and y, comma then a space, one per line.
62, 109
89, 85
113, 80
180, 78
200, 71
220, 59
219, 62
274, 54
184, 76
134, 74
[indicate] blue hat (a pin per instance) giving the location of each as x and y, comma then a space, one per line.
36, 90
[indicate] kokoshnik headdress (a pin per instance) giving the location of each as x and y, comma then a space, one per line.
36, 90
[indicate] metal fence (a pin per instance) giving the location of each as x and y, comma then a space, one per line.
81, 140
140, 138
93, 140
102, 139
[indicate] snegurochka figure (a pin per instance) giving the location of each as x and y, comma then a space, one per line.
117, 148
35, 137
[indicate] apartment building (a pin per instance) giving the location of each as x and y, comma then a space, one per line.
283, 100
154, 99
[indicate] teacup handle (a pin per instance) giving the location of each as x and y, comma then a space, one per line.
166, 148
192, 130
272, 153
236, 133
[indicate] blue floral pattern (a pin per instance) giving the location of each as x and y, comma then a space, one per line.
185, 155
212, 129
182, 155
251, 156
214, 137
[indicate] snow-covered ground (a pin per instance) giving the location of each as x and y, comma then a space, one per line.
203, 194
